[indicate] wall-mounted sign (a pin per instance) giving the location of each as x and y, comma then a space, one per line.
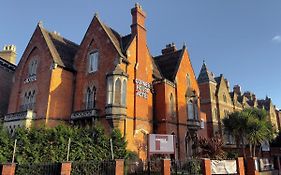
161, 144
30, 79
142, 88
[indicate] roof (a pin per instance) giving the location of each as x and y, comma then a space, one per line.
205, 75
120, 42
62, 50
7, 64
168, 64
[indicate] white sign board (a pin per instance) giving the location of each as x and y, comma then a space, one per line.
161, 144
224, 167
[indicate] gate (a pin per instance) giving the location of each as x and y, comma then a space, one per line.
187, 167
93, 168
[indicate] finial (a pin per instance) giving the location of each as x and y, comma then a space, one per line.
96, 14
204, 62
40, 23
184, 44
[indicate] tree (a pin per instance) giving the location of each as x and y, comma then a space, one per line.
236, 124
211, 148
38, 145
251, 124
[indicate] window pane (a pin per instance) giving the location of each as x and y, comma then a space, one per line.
109, 90
124, 92
190, 110
117, 92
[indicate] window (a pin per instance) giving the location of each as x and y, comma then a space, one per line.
188, 81
90, 98
117, 92
124, 93
29, 100
109, 90
190, 110
93, 62
32, 68
224, 98
172, 105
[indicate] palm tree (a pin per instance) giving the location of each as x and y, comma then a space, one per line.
251, 124
259, 129
235, 124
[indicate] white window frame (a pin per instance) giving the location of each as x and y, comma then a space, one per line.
93, 62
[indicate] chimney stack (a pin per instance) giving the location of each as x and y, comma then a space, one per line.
9, 53
237, 89
138, 20
170, 48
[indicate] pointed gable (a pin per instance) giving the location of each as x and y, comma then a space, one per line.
119, 42
168, 63
205, 75
61, 49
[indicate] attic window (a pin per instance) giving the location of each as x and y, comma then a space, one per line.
32, 68
93, 62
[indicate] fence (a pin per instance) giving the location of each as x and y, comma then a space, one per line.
93, 168
188, 167
38, 169
143, 167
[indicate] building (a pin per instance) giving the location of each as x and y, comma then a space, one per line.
110, 79
7, 69
217, 101
43, 85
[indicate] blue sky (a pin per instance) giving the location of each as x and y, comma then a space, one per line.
240, 39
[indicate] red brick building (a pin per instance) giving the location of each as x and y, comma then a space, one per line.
7, 69
112, 79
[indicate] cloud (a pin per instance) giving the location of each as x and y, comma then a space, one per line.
276, 39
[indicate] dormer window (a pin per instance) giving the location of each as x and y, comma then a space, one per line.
93, 62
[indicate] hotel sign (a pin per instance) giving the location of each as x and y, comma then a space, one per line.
142, 88
161, 144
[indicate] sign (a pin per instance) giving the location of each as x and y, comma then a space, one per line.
142, 88
224, 167
161, 144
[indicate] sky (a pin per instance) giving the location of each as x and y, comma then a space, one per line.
237, 38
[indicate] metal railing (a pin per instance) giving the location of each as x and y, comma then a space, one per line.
143, 167
38, 169
93, 168
187, 167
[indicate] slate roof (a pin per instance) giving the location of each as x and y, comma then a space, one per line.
62, 50
205, 75
168, 64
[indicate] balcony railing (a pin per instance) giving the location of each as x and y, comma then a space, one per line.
88, 113
29, 114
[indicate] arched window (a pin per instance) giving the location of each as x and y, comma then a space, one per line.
172, 105
117, 92
90, 98
224, 98
190, 110
32, 67
93, 62
109, 90
188, 81
124, 93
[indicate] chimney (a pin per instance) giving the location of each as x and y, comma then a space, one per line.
237, 89
9, 53
170, 48
138, 21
